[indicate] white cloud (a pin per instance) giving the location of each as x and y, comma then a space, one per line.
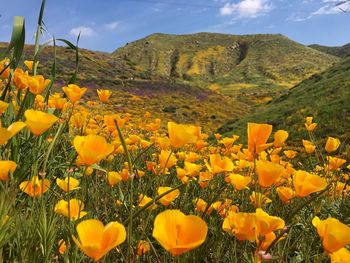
111, 26
246, 8
84, 31
334, 8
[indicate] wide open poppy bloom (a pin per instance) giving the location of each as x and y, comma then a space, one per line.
96, 240
35, 187
334, 234
179, 233
306, 183
180, 134
92, 148
39, 122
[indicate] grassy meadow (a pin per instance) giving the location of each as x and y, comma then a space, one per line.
89, 175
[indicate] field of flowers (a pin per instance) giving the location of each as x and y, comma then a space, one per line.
81, 183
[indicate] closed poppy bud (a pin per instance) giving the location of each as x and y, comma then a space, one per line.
179, 233
104, 94
92, 148
334, 234
5, 168
74, 92
39, 122
306, 183
290, 154
258, 134
340, 256
29, 64
62, 247
332, 144
96, 240
180, 134
280, 137
169, 198
268, 172
143, 247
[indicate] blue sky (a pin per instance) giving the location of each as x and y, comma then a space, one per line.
108, 24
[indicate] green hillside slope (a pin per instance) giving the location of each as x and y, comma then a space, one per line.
325, 96
233, 64
342, 51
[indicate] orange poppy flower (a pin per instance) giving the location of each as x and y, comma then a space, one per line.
258, 134
74, 92
92, 148
96, 240
180, 134
179, 233
35, 187
306, 183
268, 172
334, 234
5, 168
39, 122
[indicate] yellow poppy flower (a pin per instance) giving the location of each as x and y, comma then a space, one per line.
334, 234
306, 183
285, 193
258, 134
35, 187
92, 148
169, 198
268, 172
332, 144
63, 184
96, 240
73, 209
5, 168
290, 154
219, 164
12, 130
180, 134
267, 223
74, 92
309, 147
3, 107
280, 138
239, 182
340, 256
309, 125
39, 122
144, 200
113, 178
242, 225
104, 95
179, 233
37, 84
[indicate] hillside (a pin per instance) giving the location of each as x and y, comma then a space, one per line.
164, 99
204, 78
342, 51
239, 65
325, 96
